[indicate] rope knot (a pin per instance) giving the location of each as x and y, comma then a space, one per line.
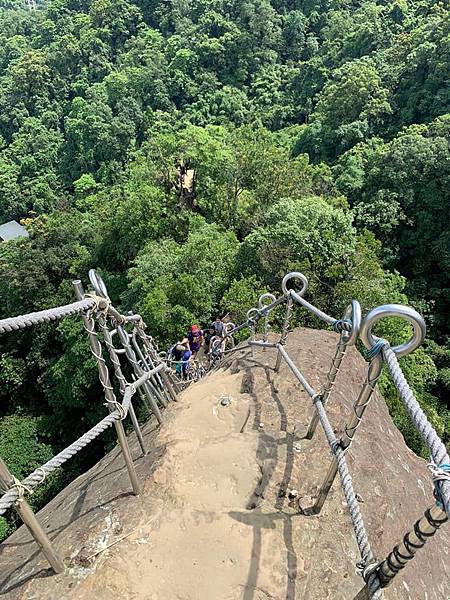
42, 473
141, 326
21, 489
253, 321
376, 349
439, 473
122, 412
101, 304
316, 398
335, 445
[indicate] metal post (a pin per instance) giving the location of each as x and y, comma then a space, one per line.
138, 370
285, 331
29, 518
363, 594
341, 347
120, 376
253, 336
148, 364
261, 305
352, 318
252, 323
164, 374
149, 359
96, 350
373, 374
266, 330
168, 385
423, 529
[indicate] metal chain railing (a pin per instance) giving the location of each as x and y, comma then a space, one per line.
114, 357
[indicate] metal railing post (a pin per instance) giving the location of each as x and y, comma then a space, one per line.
346, 338
138, 370
262, 304
363, 400
253, 338
22, 507
120, 377
96, 350
252, 323
289, 304
325, 392
284, 332
156, 359
155, 382
168, 385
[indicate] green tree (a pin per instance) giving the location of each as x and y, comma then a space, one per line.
349, 109
242, 295
28, 171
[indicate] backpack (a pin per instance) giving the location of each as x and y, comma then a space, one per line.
177, 351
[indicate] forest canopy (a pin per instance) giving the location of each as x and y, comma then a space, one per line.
317, 138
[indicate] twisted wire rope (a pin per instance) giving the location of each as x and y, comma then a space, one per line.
45, 316
38, 475
362, 539
436, 446
101, 318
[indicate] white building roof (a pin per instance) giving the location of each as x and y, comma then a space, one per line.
12, 230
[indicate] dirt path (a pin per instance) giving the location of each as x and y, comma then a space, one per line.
197, 546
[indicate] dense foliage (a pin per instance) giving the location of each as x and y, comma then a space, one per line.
317, 135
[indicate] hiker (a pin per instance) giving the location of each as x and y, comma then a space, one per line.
195, 339
218, 332
219, 327
208, 334
176, 354
187, 356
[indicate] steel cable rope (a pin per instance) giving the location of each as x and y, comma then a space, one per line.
45, 316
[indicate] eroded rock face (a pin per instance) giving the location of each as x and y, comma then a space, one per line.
218, 518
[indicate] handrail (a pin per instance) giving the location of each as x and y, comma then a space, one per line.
45, 316
152, 379
376, 574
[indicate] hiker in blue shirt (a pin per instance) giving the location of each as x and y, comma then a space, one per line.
185, 362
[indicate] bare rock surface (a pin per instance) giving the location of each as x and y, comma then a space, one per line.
218, 517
